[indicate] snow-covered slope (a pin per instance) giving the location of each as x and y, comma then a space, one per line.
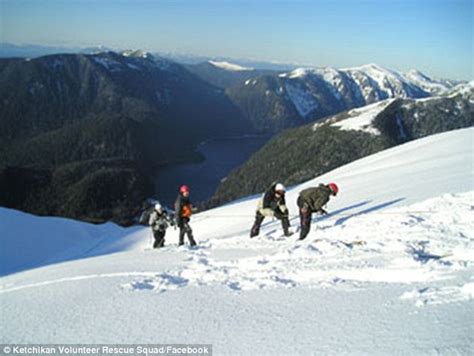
29, 241
388, 271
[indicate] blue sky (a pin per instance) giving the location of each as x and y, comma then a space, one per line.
435, 36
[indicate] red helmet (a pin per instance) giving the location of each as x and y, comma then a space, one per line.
333, 187
184, 189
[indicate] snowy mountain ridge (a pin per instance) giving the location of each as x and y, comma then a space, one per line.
393, 83
294, 98
361, 119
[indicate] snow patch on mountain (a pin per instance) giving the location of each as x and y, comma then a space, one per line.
428, 84
229, 66
298, 73
361, 118
133, 66
466, 90
108, 63
334, 79
137, 53
302, 98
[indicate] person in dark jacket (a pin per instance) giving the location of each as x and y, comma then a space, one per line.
272, 204
312, 200
183, 211
159, 222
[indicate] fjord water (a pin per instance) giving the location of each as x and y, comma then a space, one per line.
221, 156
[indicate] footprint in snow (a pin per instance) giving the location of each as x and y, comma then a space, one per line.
161, 283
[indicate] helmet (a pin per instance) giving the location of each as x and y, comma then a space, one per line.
333, 187
158, 207
279, 187
183, 189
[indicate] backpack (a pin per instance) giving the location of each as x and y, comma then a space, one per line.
146, 212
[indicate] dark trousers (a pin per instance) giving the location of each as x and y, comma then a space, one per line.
305, 218
285, 223
185, 229
159, 236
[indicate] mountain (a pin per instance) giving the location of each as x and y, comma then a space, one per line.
48, 92
405, 288
243, 62
430, 85
224, 74
275, 102
130, 107
302, 153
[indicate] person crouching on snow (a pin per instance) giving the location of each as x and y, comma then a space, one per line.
272, 204
312, 200
159, 222
183, 211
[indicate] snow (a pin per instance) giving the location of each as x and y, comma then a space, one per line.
388, 271
229, 66
133, 66
299, 73
137, 53
361, 118
108, 64
392, 83
465, 90
430, 85
333, 77
372, 82
303, 100
46, 240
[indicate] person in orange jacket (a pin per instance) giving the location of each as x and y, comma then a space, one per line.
183, 211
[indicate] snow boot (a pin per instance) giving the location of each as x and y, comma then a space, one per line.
256, 225
286, 227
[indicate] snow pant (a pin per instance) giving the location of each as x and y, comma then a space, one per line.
305, 218
285, 223
159, 236
185, 229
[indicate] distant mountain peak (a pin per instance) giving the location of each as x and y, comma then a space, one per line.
137, 53
298, 73
95, 49
229, 66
